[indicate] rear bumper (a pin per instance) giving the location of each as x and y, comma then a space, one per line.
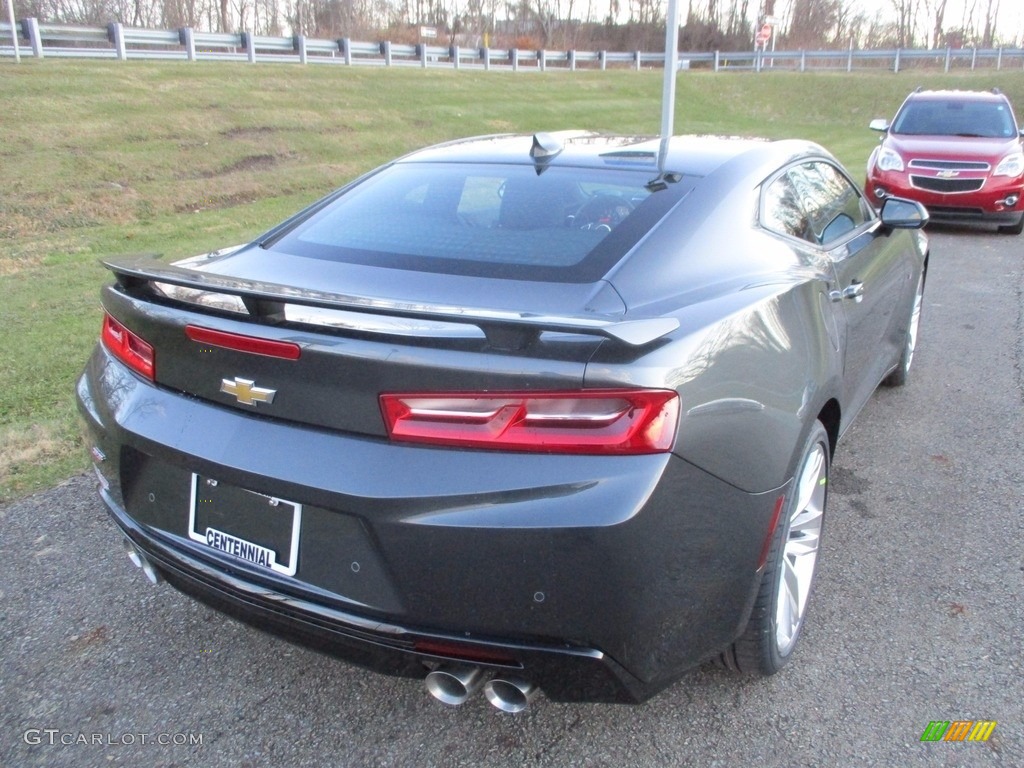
568, 674
599, 578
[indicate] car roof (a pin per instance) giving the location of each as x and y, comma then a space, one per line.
689, 155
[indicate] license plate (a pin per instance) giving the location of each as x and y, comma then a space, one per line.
259, 529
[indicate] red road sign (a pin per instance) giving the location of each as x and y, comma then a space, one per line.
764, 34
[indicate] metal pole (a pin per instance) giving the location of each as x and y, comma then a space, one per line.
14, 31
668, 94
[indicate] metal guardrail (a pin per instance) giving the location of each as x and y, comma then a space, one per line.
116, 41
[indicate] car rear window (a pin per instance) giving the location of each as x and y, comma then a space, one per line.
512, 221
951, 117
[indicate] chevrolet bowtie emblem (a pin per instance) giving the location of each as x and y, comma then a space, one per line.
246, 391
948, 174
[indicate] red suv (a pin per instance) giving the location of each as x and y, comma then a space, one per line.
958, 152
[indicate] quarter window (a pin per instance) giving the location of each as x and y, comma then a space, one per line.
815, 202
782, 209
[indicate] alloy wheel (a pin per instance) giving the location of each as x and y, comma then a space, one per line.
800, 548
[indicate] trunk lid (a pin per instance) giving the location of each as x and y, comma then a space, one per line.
355, 340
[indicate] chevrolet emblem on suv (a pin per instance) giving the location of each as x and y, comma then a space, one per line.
246, 391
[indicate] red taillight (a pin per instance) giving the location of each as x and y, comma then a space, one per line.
128, 347
241, 343
587, 421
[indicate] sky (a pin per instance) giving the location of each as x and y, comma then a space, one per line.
1010, 21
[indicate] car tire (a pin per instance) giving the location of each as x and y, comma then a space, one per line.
779, 611
901, 372
1013, 229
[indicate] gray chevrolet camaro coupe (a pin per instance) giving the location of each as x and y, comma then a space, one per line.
514, 412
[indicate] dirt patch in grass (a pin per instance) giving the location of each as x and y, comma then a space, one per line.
242, 132
18, 263
17, 223
217, 202
248, 164
21, 448
252, 163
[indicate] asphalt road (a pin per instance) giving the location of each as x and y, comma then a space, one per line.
918, 614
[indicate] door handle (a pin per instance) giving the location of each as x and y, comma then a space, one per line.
855, 291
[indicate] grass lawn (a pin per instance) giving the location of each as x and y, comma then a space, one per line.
100, 158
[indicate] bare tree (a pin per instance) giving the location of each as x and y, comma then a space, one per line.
937, 15
645, 11
546, 16
738, 22
967, 25
906, 21
814, 21
991, 13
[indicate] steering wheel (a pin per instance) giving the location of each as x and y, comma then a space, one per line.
603, 212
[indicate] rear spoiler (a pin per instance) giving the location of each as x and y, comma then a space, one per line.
135, 271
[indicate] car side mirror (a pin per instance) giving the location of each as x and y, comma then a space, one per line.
879, 124
898, 213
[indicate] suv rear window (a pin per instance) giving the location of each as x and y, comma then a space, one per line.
508, 221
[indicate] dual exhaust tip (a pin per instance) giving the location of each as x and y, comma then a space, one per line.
141, 561
453, 685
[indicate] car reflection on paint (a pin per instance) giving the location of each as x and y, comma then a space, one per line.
513, 412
